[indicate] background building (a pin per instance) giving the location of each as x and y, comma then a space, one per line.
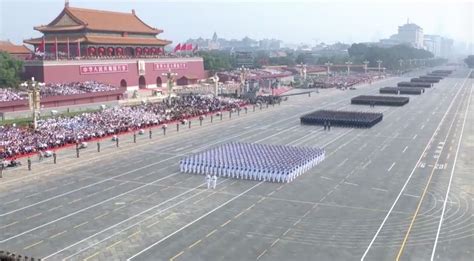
109, 47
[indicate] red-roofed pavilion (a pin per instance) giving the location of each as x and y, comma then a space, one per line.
111, 47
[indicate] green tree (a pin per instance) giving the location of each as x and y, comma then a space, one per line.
10, 71
469, 61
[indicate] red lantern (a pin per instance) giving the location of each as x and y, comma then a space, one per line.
119, 51
91, 51
146, 51
110, 51
138, 51
101, 51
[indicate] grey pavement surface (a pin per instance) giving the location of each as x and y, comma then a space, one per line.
400, 189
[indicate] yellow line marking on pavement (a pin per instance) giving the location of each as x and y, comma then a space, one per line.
195, 243
274, 242
405, 239
35, 215
80, 225
74, 201
152, 224
263, 253
240, 214
253, 205
212, 232
103, 215
51, 209
32, 245
135, 201
134, 234
91, 256
114, 244
11, 224
227, 222
57, 234
173, 258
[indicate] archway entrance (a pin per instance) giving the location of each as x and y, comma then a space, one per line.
158, 82
142, 82
123, 83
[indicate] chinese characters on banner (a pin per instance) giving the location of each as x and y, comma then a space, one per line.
103, 68
169, 66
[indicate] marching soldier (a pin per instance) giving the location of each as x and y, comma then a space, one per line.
117, 142
214, 181
77, 152
208, 181
134, 137
98, 146
54, 157
150, 133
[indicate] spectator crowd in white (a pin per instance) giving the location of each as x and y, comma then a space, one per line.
9, 95
56, 132
339, 81
75, 88
57, 89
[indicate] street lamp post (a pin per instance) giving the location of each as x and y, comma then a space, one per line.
348, 64
366, 63
328, 65
34, 98
169, 79
401, 64
215, 79
379, 62
243, 76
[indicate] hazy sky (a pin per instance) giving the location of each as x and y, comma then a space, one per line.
290, 21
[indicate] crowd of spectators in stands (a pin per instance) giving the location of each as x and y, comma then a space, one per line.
9, 95
57, 89
56, 132
343, 81
75, 88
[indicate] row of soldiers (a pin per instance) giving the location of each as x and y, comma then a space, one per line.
260, 162
342, 118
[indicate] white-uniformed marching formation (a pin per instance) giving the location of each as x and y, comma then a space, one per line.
275, 163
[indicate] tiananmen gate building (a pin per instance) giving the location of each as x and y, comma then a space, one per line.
110, 47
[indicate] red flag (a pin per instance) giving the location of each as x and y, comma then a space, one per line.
189, 47
177, 48
183, 47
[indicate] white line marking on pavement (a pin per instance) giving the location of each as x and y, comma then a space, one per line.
379, 189
409, 176
194, 221
323, 177
406, 147
416, 135
391, 166
123, 221
84, 209
451, 177
410, 195
352, 184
